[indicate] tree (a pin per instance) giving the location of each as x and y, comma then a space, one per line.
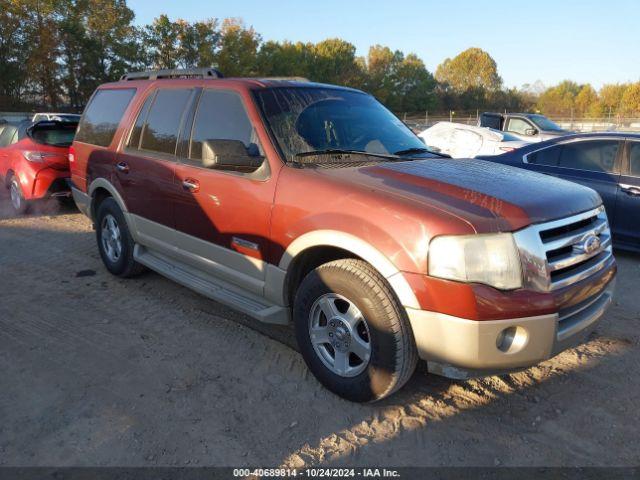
14, 52
238, 48
382, 66
586, 102
161, 40
470, 70
559, 99
334, 61
611, 98
416, 86
631, 100
197, 43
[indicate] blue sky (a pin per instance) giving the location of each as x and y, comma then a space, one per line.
595, 41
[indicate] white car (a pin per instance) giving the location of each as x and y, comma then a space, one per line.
468, 141
61, 117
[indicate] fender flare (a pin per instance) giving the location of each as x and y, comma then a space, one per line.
108, 186
360, 248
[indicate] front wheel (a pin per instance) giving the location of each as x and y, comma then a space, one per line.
114, 240
353, 333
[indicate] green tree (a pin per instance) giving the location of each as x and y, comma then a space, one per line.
238, 48
14, 52
161, 42
416, 86
197, 43
472, 69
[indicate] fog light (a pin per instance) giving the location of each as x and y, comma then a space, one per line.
512, 339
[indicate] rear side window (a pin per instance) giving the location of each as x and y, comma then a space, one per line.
221, 116
136, 132
634, 159
160, 132
549, 156
102, 116
594, 156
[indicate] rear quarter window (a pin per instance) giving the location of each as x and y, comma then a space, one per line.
102, 116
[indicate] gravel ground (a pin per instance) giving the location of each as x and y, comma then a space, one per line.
102, 371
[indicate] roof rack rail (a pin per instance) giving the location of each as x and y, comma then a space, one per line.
173, 73
291, 79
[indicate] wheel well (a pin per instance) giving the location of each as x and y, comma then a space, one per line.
309, 259
97, 197
8, 177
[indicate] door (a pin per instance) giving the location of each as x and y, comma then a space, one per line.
628, 204
145, 168
593, 163
522, 128
222, 215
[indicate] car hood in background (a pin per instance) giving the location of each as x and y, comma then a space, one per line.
490, 196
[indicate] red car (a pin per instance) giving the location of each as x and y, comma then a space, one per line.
313, 204
34, 161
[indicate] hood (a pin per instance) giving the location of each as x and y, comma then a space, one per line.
490, 196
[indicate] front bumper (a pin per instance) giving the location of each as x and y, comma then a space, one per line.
460, 348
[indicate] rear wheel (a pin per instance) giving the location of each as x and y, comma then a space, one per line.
18, 202
114, 240
353, 333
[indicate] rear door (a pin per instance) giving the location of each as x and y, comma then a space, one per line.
594, 163
145, 168
628, 204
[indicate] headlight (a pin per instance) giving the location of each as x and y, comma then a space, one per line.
491, 259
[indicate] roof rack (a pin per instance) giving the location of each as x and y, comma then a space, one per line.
284, 79
173, 73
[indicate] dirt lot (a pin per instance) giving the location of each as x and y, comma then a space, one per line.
102, 371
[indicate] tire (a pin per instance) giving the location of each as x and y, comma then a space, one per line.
19, 204
337, 287
114, 240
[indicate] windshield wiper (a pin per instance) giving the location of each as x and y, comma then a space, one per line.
335, 155
409, 151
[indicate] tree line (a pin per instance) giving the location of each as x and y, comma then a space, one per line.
54, 53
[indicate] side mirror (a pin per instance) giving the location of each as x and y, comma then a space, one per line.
229, 155
530, 131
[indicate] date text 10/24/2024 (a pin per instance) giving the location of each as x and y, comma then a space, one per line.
316, 473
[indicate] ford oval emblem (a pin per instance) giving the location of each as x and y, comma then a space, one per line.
591, 244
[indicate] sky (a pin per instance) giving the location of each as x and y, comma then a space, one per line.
588, 41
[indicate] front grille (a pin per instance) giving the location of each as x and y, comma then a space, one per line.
575, 247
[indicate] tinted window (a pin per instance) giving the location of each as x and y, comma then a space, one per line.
549, 156
160, 132
54, 135
490, 121
517, 125
221, 116
102, 116
595, 156
134, 138
634, 159
7, 135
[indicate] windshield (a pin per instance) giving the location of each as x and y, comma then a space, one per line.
543, 123
307, 120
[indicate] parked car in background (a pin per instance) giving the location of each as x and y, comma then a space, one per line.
530, 127
61, 117
467, 141
607, 162
34, 161
292, 200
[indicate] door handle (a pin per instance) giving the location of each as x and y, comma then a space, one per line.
191, 185
123, 167
630, 189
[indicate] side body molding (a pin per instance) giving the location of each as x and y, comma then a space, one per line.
359, 247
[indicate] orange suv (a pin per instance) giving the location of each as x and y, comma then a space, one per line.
308, 203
